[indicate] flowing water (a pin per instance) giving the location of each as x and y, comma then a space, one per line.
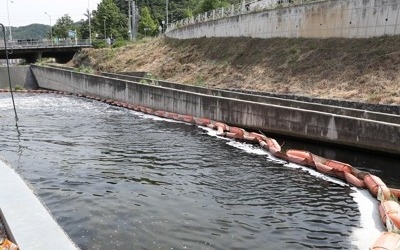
118, 179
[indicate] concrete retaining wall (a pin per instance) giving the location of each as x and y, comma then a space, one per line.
20, 75
271, 118
334, 18
275, 100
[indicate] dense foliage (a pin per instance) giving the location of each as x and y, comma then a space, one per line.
110, 19
147, 25
32, 31
62, 27
177, 9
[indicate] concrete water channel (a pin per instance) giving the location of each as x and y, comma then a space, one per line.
229, 107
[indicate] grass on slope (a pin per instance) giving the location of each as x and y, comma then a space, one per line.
365, 70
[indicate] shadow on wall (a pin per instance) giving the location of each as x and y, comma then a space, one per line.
20, 76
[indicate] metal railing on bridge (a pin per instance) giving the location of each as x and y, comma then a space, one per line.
38, 43
247, 6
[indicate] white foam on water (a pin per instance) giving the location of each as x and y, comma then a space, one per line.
317, 174
248, 148
157, 118
371, 225
363, 235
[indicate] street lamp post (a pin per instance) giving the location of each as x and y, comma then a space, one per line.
9, 23
90, 26
51, 28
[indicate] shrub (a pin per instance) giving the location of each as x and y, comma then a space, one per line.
86, 70
119, 43
99, 44
18, 87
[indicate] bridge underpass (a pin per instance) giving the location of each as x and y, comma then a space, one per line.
32, 51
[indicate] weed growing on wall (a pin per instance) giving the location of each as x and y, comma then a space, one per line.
86, 70
18, 87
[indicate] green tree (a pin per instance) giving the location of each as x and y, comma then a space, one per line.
109, 21
62, 26
122, 5
147, 25
177, 9
84, 27
208, 5
111, 16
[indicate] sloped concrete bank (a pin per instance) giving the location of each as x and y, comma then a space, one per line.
380, 108
383, 113
231, 108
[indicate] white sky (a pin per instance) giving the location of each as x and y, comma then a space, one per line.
25, 12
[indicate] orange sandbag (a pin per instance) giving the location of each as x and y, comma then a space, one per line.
395, 192
249, 137
338, 165
236, 130
274, 147
221, 125
186, 118
387, 241
234, 135
373, 184
171, 115
300, 157
258, 136
390, 215
323, 168
201, 121
159, 113
350, 178
329, 170
8, 245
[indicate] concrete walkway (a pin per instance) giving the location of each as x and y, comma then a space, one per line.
31, 224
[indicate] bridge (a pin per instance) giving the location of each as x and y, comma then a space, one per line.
32, 50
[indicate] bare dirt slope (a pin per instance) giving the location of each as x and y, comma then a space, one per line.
366, 70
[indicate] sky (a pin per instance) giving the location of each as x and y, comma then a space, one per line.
25, 12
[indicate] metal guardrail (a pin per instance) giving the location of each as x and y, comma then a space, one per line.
35, 43
247, 6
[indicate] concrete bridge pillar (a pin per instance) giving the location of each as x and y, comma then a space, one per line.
33, 57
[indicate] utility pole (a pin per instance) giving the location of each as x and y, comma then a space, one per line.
105, 31
166, 11
90, 26
51, 28
9, 23
133, 21
130, 19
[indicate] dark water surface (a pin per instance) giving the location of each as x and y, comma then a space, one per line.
118, 179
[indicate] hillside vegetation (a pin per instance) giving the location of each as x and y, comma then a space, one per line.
32, 31
366, 70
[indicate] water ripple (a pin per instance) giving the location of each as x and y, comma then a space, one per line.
116, 179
